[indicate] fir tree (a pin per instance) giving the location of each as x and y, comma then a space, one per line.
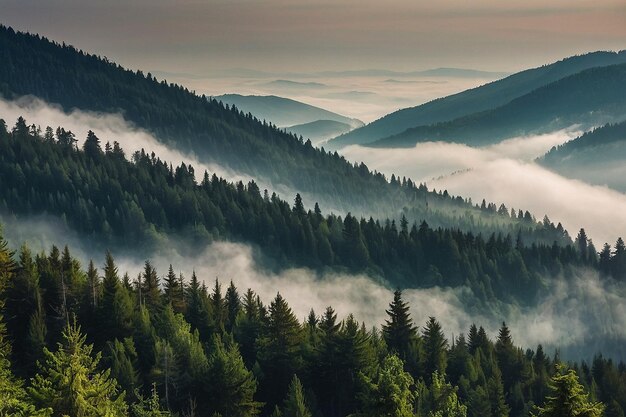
295, 404
398, 329
568, 398
435, 348
71, 384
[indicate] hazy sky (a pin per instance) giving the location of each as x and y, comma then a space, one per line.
302, 35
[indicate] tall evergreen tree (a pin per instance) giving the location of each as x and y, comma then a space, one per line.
295, 404
568, 398
71, 384
435, 348
279, 350
398, 329
150, 287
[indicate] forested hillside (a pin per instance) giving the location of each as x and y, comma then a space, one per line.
591, 97
100, 194
596, 157
60, 74
91, 341
486, 97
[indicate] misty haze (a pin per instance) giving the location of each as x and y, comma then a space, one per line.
355, 209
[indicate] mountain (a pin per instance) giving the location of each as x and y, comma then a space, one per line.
72, 79
296, 85
320, 130
597, 157
591, 97
282, 111
435, 72
138, 203
478, 99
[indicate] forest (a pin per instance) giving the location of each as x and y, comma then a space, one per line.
137, 203
62, 75
65, 76
93, 341
588, 98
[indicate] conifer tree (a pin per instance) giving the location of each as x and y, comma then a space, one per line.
435, 348
442, 399
568, 398
398, 329
115, 310
70, 382
389, 392
295, 404
230, 385
218, 308
150, 287
279, 350
173, 291
233, 306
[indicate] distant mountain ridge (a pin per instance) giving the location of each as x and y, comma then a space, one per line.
588, 98
488, 96
283, 112
319, 130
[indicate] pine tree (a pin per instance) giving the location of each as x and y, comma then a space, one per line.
398, 330
150, 287
442, 399
568, 398
218, 308
70, 382
435, 348
295, 404
231, 386
173, 291
115, 310
279, 350
233, 306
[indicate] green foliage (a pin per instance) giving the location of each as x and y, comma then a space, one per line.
389, 392
568, 398
295, 404
231, 386
70, 383
135, 203
440, 399
149, 406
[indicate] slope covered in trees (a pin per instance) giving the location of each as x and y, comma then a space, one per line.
478, 99
596, 157
91, 342
588, 98
101, 194
60, 74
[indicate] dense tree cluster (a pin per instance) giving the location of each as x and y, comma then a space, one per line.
73, 79
607, 134
99, 193
587, 98
94, 342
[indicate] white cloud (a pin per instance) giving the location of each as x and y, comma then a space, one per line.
505, 173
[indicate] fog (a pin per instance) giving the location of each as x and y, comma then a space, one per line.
505, 173
580, 315
113, 127
581, 311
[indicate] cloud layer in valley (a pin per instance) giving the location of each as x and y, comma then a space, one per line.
580, 315
505, 173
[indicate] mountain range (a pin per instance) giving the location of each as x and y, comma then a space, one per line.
474, 101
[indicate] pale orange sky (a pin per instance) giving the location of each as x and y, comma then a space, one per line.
197, 37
